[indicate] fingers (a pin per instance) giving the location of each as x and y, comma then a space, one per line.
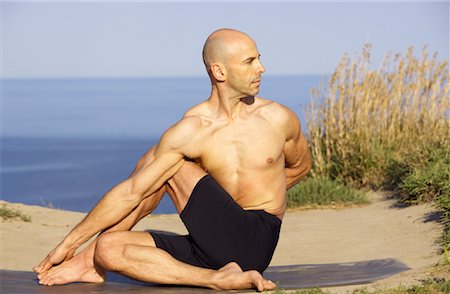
56, 256
40, 268
45, 265
36, 269
70, 254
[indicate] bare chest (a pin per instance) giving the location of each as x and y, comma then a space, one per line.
245, 146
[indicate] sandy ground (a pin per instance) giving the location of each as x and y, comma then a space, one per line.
378, 230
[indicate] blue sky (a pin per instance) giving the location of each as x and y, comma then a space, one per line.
117, 39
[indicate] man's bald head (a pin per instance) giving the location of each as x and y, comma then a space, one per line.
221, 44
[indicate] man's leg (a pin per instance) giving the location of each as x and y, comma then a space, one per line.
134, 254
81, 267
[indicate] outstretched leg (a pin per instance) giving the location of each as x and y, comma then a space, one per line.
134, 254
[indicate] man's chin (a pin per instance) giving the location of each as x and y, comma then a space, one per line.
254, 93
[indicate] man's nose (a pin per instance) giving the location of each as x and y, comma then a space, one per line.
261, 68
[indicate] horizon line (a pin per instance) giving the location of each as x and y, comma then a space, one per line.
143, 77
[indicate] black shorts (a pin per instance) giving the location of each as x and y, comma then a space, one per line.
220, 231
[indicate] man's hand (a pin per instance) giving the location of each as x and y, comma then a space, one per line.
56, 256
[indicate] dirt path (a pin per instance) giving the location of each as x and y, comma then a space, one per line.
375, 231
378, 230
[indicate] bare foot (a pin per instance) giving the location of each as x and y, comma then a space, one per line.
231, 277
72, 270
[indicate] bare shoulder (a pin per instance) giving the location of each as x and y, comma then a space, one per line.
186, 136
272, 107
198, 110
181, 135
190, 123
280, 116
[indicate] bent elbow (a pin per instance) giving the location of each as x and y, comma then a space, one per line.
305, 168
308, 165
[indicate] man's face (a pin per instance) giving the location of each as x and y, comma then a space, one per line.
244, 68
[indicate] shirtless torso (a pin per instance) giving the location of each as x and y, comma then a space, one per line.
247, 155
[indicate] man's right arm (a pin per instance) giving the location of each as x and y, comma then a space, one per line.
126, 196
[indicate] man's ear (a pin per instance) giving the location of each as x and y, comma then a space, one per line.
218, 71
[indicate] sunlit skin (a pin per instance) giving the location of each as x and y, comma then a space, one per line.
252, 146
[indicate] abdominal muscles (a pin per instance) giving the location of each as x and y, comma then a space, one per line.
256, 189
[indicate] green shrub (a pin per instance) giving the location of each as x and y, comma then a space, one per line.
301, 291
323, 191
7, 213
429, 286
429, 182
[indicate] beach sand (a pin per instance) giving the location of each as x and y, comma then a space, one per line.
375, 231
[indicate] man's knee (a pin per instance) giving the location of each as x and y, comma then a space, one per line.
181, 185
109, 251
111, 248
190, 170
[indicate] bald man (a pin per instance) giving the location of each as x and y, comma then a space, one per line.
226, 165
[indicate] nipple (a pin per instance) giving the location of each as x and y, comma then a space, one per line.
269, 160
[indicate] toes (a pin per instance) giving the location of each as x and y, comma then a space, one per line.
51, 282
256, 279
269, 285
41, 276
43, 281
259, 285
46, 278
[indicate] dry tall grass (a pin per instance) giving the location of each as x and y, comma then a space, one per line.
364, 124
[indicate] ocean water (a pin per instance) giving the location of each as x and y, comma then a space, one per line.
66, 142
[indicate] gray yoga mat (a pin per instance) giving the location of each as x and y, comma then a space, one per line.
287, 277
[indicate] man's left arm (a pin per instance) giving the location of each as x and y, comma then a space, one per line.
297, 156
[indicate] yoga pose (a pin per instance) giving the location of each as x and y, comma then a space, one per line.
226, 165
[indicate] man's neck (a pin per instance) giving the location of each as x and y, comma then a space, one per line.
228, 105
